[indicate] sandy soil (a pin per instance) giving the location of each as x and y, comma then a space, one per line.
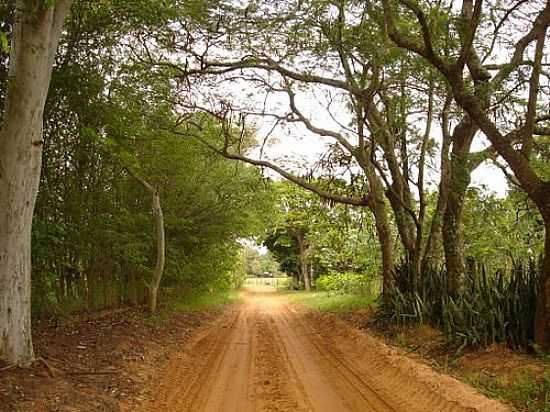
96, 361
268, 355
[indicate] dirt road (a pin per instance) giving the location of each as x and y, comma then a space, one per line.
268, 355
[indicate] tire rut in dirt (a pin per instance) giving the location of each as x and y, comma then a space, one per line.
185, 384
277, 388
354, 393
400, 391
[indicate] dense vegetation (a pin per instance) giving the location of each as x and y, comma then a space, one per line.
93, 243
112, 105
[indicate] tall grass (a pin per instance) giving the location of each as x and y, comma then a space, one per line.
490, 308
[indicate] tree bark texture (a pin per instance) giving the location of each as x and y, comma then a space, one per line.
434, 245
35, 38
161, 253
398, 192
458, 182
378, 207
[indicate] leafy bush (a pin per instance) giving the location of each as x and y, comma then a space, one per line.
490, 308
345, 283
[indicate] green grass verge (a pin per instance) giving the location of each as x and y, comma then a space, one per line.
526, 392
332, 302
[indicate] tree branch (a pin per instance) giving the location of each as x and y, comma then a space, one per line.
540, 25
284, 173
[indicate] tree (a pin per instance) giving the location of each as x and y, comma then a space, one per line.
89, 249
284, 250
355, 145
482, 89
293, 225
36, 32
320, 238
159, 240
375, 142
252, 262
502, 232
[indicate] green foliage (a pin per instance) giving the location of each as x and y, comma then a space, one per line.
338, 238
333, 303
109, 109
259, 265
192, 302
500, 231
284, 249
176, 300
491, 308
346, 283
4, 43
92, 239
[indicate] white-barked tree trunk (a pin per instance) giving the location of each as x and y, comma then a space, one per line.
36, 34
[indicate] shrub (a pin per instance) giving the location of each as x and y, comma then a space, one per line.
345, 283
491, 308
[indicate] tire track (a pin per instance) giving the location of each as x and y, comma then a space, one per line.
277, 387
353, 392
266, 355
402, 383
187, 376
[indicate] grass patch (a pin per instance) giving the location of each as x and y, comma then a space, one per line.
332, 302
525, 391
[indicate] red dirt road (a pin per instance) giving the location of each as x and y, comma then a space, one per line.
268, 355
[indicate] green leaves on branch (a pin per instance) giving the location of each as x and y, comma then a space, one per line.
4, 43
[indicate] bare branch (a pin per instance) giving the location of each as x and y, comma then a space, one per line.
267, 64
423, 49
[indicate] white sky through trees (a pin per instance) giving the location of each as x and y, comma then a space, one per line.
297, 148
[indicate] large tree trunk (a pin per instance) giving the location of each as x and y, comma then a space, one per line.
453, 240
453, 228
433, 253
398, 192
459, 180
383, 232
307, 279
36, 34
